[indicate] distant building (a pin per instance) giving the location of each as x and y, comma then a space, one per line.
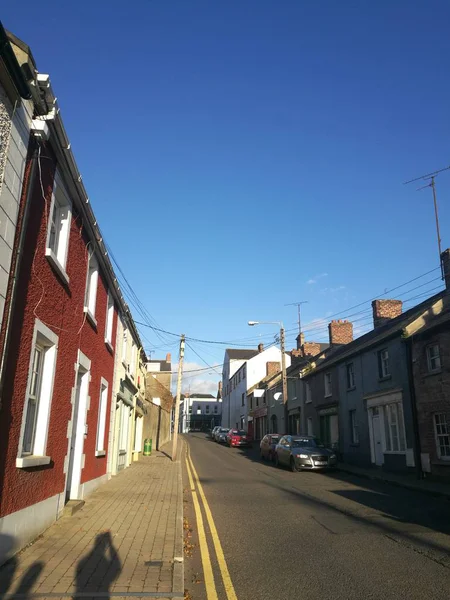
161, 370
199, 412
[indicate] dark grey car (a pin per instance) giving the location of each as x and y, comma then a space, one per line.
303, 452
221, 435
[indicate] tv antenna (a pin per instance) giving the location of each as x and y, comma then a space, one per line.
298, 305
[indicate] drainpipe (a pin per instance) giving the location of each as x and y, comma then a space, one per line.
11, 293
417, 446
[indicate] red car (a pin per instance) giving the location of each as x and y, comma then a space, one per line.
238, 437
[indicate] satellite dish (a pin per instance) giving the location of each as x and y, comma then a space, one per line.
277, 396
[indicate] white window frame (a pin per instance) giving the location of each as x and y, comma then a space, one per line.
309, 426
385, 370
354, 426
308, 396
124, 345
60, 204
431, 358
328, 384
101, 422
133, 358
90, 301
438, 435
350, 370
109, 320
44, 338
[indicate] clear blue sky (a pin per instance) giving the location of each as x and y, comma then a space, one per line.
235, 150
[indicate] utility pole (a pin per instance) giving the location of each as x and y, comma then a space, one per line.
284, 377
298, 305
432, 185
177, 400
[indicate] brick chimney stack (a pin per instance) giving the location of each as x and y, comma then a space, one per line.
340, 332
310, 349
445, 260
168, 357
260, 348
300, 340
272, 368
385, 310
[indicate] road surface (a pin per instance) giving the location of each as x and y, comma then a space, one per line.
308, 535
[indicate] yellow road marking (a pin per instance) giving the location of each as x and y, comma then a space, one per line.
206, 561
229, 588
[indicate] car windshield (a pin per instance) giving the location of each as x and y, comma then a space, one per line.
307, 443
240, 432
275, 439
223, 430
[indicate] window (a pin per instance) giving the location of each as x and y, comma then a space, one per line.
308, 398
442, 431
350, 376
309, 425
190, 410
215, 410
100, 444
124, 345
327, 378
59, 228
109, 319
199, 410
38, 399
91, 286
251, 402
433, 358
354, 427
243, 371
207, 409
243, 399
239, 379
394, 427
383, 363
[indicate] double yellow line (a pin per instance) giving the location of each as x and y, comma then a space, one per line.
210, 585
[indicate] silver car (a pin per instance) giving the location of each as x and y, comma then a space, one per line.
221, 435
303, 452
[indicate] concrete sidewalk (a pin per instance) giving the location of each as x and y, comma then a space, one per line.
410, 482
127, 540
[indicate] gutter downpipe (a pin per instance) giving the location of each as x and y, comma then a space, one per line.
417, 446
12, 284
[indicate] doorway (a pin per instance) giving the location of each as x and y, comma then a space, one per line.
376, 436
76, 442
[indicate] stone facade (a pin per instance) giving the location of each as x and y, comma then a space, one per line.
432, 394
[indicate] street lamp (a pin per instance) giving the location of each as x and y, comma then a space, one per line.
283, 360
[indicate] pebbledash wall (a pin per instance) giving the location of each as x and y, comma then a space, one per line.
32, 497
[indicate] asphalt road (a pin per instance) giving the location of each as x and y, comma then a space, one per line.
317, 536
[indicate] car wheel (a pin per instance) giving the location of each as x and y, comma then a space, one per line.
293, 466
277, 462
261, 455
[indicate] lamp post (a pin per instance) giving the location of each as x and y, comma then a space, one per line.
283, 362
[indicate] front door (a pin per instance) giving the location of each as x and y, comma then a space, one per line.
77, 436
376, 431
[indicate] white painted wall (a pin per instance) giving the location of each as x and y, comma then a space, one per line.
15, 133
255, 371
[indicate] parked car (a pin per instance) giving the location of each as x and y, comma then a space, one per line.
303, 452
238, 437
213, 432
221, 435
267, 445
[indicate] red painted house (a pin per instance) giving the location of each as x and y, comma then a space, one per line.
58, 340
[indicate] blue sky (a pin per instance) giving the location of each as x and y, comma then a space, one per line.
245, 154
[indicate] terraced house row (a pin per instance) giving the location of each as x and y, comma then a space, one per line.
75, 400
381, 400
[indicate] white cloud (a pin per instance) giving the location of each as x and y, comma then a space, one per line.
316, 278
197, 378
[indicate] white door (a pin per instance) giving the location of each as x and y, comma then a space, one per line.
376, 431
77, 435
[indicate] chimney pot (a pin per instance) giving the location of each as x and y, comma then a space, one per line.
340, 332
445, 261
300, 340
260, 347
384, 310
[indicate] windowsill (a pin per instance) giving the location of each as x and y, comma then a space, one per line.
100, 453
445, 462
394, 452
57, 266
308, 401
90, 317
350, 389
125, 365
431, 373
109, 346
328, 395
25, 462
385, 378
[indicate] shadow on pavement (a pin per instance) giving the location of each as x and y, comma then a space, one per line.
8, 570
97, 570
